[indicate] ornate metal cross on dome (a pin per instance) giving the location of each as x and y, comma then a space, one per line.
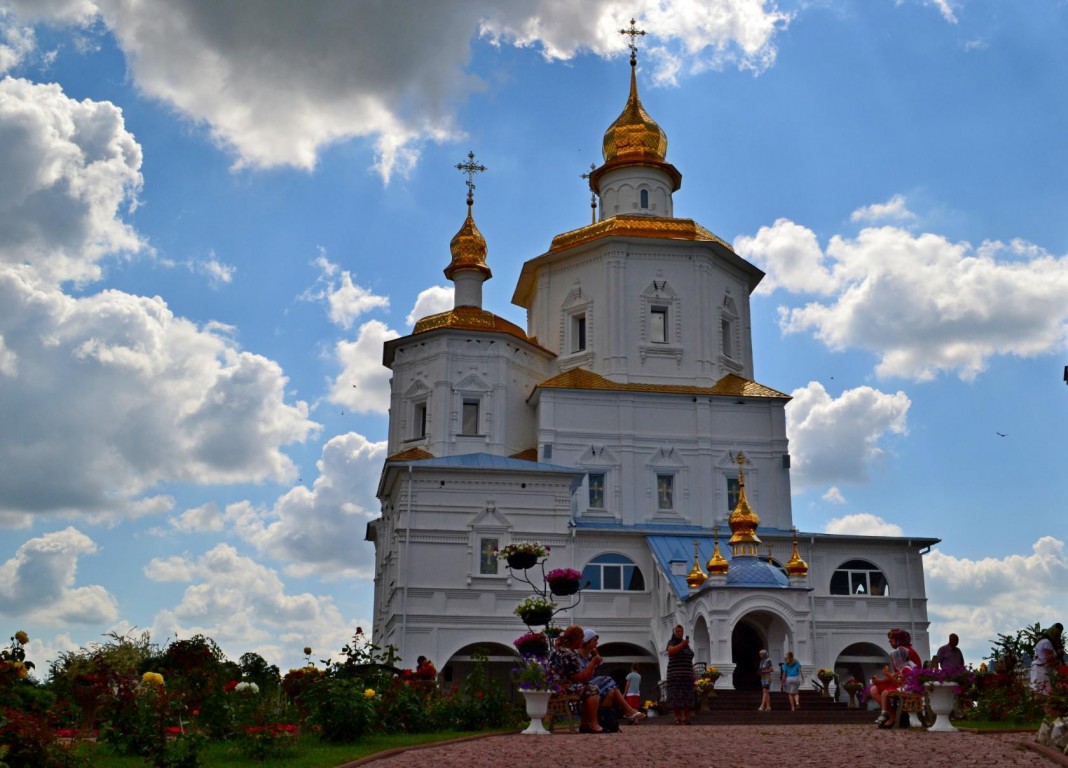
470, 168
593, 195
634, 33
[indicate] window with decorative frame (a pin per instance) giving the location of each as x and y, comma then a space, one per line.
613, 573
859, 578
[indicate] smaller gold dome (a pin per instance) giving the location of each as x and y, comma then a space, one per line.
717, 564
696, 576
744, 522
634, 135
468, 248
795, 566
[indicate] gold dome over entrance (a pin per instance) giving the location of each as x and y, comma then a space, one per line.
743, 520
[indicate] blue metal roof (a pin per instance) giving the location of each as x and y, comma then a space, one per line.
748, 572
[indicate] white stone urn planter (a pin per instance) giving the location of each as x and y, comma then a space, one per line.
537, 706
943, 696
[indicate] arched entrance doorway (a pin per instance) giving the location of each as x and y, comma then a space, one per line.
498, 661
618, 658
860, 660
746, 643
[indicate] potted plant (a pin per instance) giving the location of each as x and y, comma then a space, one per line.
852, 686
523, 554
532, 644
826, 676
535, 610
705, 684
534, 678
563, 581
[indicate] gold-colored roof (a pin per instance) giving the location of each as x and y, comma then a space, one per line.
411, 454
632, 225
469, 318
730, 385
795, 566
634, 135
468, 248
530, 454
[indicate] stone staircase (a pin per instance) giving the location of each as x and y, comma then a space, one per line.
740, 708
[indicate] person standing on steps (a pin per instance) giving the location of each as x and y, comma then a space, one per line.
632, 691
794, 677
680, 694
765, 667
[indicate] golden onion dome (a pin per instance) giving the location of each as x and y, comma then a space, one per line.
468, 248
795, 566
744, 522
634, 135
717, 564
696, 576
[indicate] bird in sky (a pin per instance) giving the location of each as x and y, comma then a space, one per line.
1000, 434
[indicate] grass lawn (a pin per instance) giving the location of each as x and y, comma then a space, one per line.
310, 752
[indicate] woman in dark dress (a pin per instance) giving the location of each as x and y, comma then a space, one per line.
680, 694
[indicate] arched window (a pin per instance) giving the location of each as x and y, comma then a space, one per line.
613, 573
859, 577
643, 199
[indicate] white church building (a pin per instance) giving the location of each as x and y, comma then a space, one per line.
624, 429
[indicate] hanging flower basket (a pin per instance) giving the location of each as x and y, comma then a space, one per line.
564, 581
537, 617
532, 644
520, 561
523, 555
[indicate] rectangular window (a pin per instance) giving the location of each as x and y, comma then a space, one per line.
665, 491
658, 325
578, 333
596, 482
469, 420
725, 331
733, 493
487, 557
613, 577
419, 427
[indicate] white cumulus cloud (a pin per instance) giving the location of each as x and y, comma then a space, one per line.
243, 605
70, 169
980, 598
923, 305
840, 440
862, 524
39, 582
256, 76
431, 301
318, 528
894, 209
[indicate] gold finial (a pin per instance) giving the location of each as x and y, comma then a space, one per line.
770, 558
795, 566
717, 564
743, 520
470, 168
468, 246
633, 33
593, 195
696, 576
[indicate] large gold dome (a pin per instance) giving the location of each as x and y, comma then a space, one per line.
634, 135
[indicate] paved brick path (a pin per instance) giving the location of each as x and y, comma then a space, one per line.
732, 746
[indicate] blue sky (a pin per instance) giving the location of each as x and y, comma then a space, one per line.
212, 217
